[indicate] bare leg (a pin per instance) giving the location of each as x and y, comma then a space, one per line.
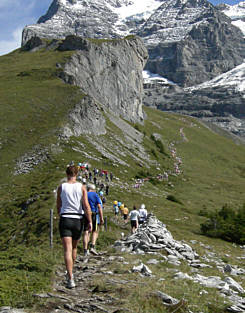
86, 238
74, 250
95, 235
68, 254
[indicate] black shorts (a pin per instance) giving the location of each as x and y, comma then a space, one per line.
95, 222
125, 216
71, 227
133, 224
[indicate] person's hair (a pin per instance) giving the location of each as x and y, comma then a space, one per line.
91, 187
72, 171
134, 207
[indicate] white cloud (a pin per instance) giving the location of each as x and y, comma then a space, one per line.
13, 43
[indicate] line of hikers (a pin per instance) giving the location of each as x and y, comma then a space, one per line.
136, 216
81, 209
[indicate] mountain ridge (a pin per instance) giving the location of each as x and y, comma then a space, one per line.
173, 31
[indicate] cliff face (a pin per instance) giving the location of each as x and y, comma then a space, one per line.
108, 71
211, 47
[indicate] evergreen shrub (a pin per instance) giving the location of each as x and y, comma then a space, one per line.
227, 224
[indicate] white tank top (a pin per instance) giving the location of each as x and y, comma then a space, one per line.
71, 198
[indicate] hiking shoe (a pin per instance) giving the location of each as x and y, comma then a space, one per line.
86, 253
70, 283
93, 251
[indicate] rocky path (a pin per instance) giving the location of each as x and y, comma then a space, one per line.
105, 283
88, 295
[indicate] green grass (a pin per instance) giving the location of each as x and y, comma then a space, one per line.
34, 106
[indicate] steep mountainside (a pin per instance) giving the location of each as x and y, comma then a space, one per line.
189, 42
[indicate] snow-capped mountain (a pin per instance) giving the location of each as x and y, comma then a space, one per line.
236, 13
189, 41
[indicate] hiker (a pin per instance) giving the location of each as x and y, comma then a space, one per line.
97, 220
107, 189
134, 215
101, 187
125, 213
115, 207
121, 208
142, 214
102, 198
72, 203
90, 176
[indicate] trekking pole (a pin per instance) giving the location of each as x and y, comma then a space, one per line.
51, 228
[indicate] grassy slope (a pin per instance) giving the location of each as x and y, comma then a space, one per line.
34, 105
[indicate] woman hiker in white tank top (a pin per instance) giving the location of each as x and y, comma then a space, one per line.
71, 200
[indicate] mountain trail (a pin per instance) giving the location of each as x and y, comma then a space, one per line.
88, 295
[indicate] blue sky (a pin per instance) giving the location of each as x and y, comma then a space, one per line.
15, 14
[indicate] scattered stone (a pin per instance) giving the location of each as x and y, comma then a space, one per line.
152, 261
143, 269
8, 309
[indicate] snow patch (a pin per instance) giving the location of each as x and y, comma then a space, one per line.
240, 24
235, 78
236, 13
137, 9
149, 77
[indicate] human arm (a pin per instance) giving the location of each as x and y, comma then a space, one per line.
101, 214
87, 208
58, 200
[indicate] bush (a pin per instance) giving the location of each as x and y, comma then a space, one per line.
227, 224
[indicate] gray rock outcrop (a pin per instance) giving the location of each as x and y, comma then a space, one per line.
109, 71
86, 118
153, 236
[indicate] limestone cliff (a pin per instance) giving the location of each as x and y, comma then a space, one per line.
109, 71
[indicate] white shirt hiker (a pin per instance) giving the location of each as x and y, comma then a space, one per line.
134, 215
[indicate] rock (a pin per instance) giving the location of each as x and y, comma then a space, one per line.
152, 261
227, 268
234, 285
168, 300
109, 71
154, 230
86, 118
143, 269
8, 309
181, 275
